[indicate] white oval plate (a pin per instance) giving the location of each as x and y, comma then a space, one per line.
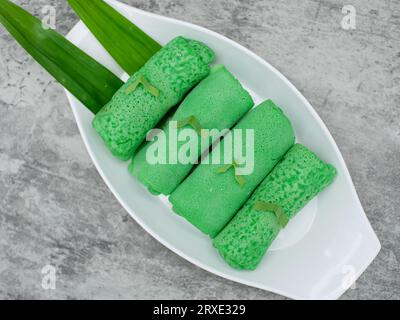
323, 250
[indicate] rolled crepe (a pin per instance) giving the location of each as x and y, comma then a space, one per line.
299, 177
218, 102
146, 97
209, 198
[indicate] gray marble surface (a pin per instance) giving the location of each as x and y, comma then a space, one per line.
55, 208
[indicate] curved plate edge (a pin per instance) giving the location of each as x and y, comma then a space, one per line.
75, 37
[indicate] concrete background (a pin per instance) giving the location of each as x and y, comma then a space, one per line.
54, 207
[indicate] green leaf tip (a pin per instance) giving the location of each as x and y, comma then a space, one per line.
130, 46
147, 86
193, 122
84, 77
280, 215
239, 178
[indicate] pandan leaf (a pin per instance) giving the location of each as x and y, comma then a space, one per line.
191, 121
147, 86
125, 42
280, 215
225, 168
84, 77
239, 178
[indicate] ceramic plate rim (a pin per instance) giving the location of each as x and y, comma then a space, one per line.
73, 36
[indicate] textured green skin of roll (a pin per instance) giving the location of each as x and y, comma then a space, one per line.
124, 122
218, 102
209, 199
298, 178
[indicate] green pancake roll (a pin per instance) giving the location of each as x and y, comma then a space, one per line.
147, 96
218, 102
297, 179
213, 193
